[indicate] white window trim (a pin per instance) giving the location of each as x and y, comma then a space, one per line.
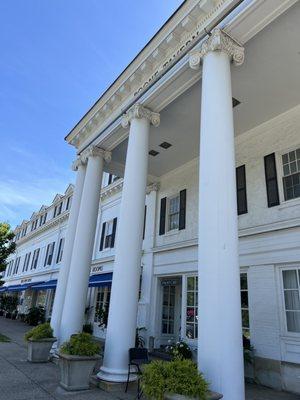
175, 230
279, 167
280, 295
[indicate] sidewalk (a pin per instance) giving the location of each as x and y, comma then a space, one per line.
21, 380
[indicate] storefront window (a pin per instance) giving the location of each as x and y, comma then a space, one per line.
245, 304
192, 307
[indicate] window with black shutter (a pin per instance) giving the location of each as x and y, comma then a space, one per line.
271, 180
241, 191
182, 209
102, 236
162, 220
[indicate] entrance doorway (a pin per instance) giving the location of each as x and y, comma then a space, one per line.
170, 310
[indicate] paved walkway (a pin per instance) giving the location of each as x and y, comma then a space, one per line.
21, 380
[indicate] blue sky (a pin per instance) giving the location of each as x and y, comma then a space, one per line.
57, 57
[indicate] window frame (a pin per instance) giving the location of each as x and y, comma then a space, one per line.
51, 246
168, 202
60, 250
280, 176
35, 259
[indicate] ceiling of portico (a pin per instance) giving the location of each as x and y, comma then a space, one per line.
267, 84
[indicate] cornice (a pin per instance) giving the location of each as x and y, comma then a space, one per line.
181, 32
112, 189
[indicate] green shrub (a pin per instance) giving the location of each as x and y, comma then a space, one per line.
35, 316
180, 350
80, 344
43, 331
175, 377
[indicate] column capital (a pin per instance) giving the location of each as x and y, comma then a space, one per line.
218, 41
139, 111
153, 187
78, 162
94, 151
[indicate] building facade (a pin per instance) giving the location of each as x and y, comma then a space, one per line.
194, 244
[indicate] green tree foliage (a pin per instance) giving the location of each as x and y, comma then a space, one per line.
7, 246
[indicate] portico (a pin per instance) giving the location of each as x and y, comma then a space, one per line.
163, 127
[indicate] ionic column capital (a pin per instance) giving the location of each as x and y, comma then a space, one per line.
139, 111
153, 187
94, 151
78, 162
218, 41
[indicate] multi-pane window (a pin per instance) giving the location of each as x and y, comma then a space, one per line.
49, 254
291, 288
23, 232
291, 174
60, 250
9, 267
34, 224
168, 309
108, 234
102, 305
173, 212
35, 258
26, 262
192, 307
245, 304
16, 266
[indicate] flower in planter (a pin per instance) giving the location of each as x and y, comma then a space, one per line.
180, 350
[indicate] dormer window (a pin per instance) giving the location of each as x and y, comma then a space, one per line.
68, 203
43, 219
57, 209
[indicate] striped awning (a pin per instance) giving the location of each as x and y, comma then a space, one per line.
51, 284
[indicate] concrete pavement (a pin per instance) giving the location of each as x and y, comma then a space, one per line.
21, 380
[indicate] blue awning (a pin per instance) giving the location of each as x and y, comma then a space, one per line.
18, 288
14, 288
3, 289
45, 285
100, 280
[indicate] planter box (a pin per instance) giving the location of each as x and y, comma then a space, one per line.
38, 350
211, 396
75, 371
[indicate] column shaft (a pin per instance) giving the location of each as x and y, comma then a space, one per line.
220, 355
67, 252
75, 299
124, 298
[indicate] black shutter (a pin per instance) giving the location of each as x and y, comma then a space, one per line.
182, 209
144, 227
112, 244
271, 180
162, 221
102, 236
241, 191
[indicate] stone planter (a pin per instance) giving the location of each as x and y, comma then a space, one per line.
75, 371
38, 350
211, 396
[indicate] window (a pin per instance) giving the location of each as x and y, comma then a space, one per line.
112, 178
291, 289
26, 262
16, 267
43, 219
57, 209
35, 258
49, 254
60, 250
192, 307
34, 224
245, 304
23, 232
68, 203
172, 213
9, 267
108, 234
168, 309
102, 305
291, 174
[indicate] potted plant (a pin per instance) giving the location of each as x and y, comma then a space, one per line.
178, 379
35, 316
180, 350
77, 359
40, 340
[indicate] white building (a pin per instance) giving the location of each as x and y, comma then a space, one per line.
179, 94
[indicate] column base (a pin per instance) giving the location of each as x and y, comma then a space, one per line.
115, 375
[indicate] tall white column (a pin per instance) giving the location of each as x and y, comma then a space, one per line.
220, 354
75, 299
122, 318
80, 166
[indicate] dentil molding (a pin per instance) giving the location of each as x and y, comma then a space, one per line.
139, 111
218, 41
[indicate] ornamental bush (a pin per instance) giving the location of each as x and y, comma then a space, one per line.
180, 350
80, 344
175, 377
43, 331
